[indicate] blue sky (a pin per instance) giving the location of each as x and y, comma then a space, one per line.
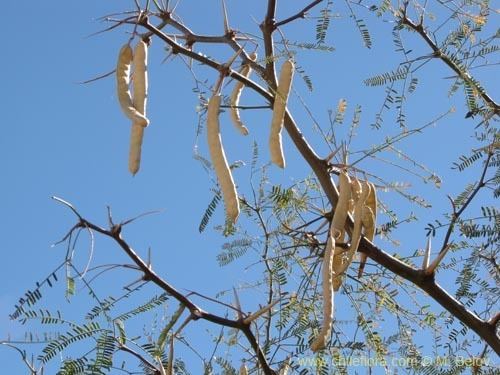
70, 140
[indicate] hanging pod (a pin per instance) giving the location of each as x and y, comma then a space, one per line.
219, 160
139, 102
245, 71
279, 109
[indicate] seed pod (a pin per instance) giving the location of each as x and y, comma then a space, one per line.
360, 192
139, 100
371, 200
219, 160
243, 370
369, 222
340, 216
134, 156
320, 341
285, 367
245, 71
338, 224
122, 86
279, 108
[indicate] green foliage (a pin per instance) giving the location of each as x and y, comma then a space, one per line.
209, 211
233, 250
389, 77
286, 224
77, 334
323, 23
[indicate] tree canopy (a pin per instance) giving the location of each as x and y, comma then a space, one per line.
384, 150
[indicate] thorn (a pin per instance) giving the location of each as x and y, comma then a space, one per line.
110, 217
226, 22
427, 254
344, 153
238, 304
432, 268
69, 205
234, 57
333, 153
249, 319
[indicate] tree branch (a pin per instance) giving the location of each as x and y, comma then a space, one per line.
456, 214
464, 75
427, 283
196, 312
300, 14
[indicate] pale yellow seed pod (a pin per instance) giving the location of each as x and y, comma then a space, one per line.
337, 279
125, 58
243, 369
369, 222
279, 109
358, 217
341, 210
320, 341
351, 206
134, 156
219, 160
245, 71
139, 100
285, 368
371, 201
338, 224
141, 76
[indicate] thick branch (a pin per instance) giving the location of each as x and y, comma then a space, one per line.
267, 27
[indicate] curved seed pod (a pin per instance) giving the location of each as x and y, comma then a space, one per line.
369, 222
134, 155
139, 101
245, 71
337, 279
279, 108
285, 367
371, 200
122, 86
340, 216
351, 206
338, 224
243, 370
219, 160
360, 192
141, 76
322, 338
